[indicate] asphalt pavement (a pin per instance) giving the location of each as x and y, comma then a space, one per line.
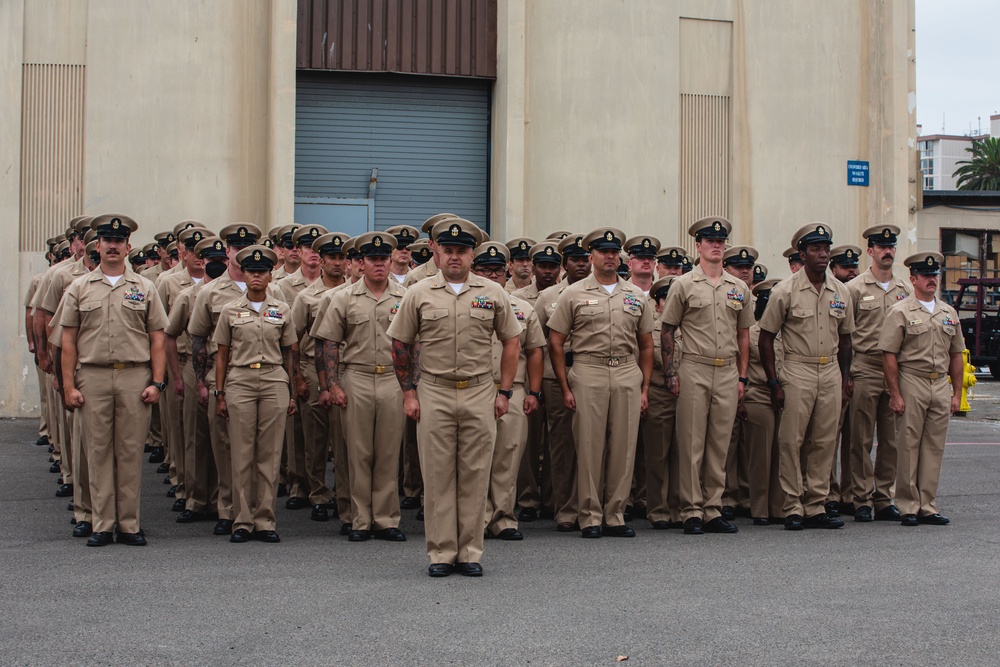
873, 594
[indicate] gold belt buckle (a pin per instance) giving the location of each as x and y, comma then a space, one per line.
824, 360
118, 367
462, 384
256, 365
934, 376
379, 370
719, 362
614, 361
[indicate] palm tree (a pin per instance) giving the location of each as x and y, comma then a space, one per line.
982, 172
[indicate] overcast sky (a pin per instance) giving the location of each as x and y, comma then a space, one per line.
958, 64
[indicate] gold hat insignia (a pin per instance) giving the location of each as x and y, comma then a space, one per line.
377, 241
548, 250
242, 232
930, 261
609, 236
886, 233
115, 223
820, 230
454, 229
717, 225
493, 252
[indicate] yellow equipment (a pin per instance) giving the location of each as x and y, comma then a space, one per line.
968, 381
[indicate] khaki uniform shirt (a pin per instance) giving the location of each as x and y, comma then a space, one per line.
810, 322
708, 316
57, 285
426, 270
923, 342
32, 288
604, 325
115, 322
545, 305
304, 312
170, 288
252, 337
531, 337
153, 272
45, 281
209, 304
278, 274
180, 316
360, 321
455, 331
871, 303
292, 285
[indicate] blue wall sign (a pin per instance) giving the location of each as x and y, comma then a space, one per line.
857, 172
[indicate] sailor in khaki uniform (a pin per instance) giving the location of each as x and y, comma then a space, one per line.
921, 344
813, 312
794, 258
456, 403
561, 452
254, 362
611, 323
670, 261
491, 262
520, 263
400, 262
113, 327
711, 309
871, 488
361, 384
204, 318
533, 478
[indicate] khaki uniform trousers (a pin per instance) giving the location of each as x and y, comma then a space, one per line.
115, 424
82, 503
840, 485
637, 492
295, 457
561, 453
373, 424
219, 433
316, 427
43, 405
605, 429
706, 409
201, 477
737, 492
760, 432
156, 436
341, 464
871, 485
920, 433
456, 435
657, 430
258, 408
55, 420
65, 439
532, 467
512, 433
808, 434
413, 481
172, 425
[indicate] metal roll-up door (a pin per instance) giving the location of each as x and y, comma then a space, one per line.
428, 139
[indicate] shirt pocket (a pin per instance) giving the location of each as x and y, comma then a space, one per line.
481, 321
134, 315
801, 313
868, 305
948, 329
434, 324
916, 328
698, 302
91, 313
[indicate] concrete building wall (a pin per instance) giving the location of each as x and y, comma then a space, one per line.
189, 112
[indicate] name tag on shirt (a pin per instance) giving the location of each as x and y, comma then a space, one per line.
591, 302
870, 297
244, 313
914, 323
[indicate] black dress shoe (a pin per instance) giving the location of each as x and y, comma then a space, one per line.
627, 514
510, 534
469, 569
390, 535
319, 513
132, 539
822, 521
888, 513
693, 527
728, 512
439, 569
282, 490
55, 467
167, 481
567, 526
909, 520
832, 508
359, 536
618, 531
527, 514
83, 529
104, 539
793, 522
240, 535
420, 514
223, 527
743, 512
172, 491
846, 508
157, 455
147, 448
178, 505
345, 529
71, 506
761, 521
268, 536
591, 532
190, 516
720, 525
64, 491
296, 503
163, 468
43, 441
661, 525
52, 449
934, 519
863, 514
409, 503
676, 524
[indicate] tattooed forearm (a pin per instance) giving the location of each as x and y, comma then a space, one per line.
402, 362
416, 364
199, 357
667, 351
288, 360
331, 363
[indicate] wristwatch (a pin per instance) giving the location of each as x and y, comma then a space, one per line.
159, 385
745, 381
509, 393
218, 392
773, 383
536, 394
